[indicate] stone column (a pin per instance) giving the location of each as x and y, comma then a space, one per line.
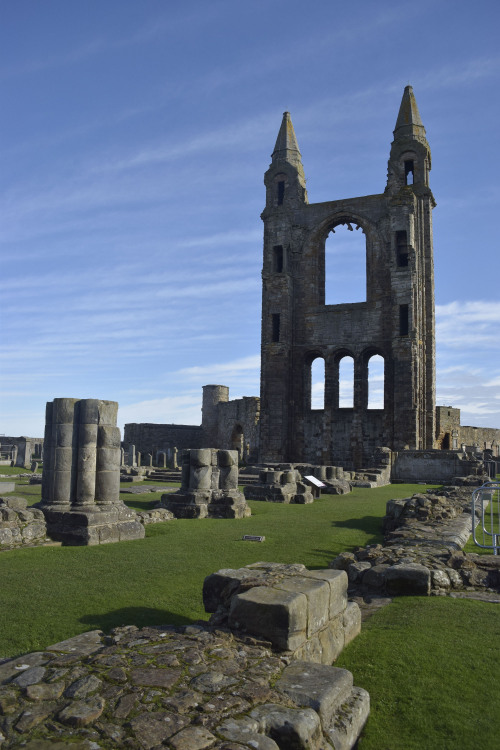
107, 489
81, 474
62, 462
131, 455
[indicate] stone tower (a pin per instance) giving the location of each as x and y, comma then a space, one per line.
395, 322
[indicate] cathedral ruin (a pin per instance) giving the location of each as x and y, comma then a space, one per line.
394, 323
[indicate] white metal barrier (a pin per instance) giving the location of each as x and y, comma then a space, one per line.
486, 505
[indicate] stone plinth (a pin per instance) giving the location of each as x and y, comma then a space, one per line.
209, 486
81, 474
300, 611
277, 486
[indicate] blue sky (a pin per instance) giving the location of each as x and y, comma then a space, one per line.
135, 137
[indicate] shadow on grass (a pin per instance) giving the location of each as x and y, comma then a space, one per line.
140, 616
369, 524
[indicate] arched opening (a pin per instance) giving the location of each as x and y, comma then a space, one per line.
376, 382
237, 440
318, 383
345, 265
346, 383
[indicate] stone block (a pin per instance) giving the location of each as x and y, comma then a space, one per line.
317, 686
356, 571
311, 651
351, 622
375, 577
278, 616
295, 728
337, 581
408, 578
332, 640
317, 593
350, 720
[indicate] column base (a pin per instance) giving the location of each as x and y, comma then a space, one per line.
92, 525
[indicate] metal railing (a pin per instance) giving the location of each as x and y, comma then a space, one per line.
486, 506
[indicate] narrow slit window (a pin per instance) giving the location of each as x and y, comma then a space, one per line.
409, 173
318, 383
281, 192
403, 320
376, 382
402, 249
278, 258
276, 327
346, 383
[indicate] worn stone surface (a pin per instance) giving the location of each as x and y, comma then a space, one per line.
187, 688
422, 552
20, 525
297, 610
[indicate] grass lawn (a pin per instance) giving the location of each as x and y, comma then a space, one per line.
428, 663
431, 667
51, 593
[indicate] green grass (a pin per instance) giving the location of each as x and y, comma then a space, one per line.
12, 471
431, 667
429, 664
51, 593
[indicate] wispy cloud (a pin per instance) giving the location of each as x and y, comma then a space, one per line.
250, 363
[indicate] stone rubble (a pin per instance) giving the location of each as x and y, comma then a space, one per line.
422, 553
20, 525
184, 688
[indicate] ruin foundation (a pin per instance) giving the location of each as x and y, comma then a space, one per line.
209, 486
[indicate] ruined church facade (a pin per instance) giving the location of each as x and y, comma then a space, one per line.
396, 321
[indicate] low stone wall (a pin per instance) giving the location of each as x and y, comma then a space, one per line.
422, 553
433, 466
303, 612
20, 525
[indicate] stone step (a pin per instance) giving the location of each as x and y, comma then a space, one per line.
343, 709
165, 476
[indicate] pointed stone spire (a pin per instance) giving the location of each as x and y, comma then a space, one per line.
287, 148
409, 123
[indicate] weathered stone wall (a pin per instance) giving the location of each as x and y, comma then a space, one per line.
447, 428
421, 554
20, 450
238, 427
485, 438
151, 438
229, 425
451, 434
396, 321
433, 466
